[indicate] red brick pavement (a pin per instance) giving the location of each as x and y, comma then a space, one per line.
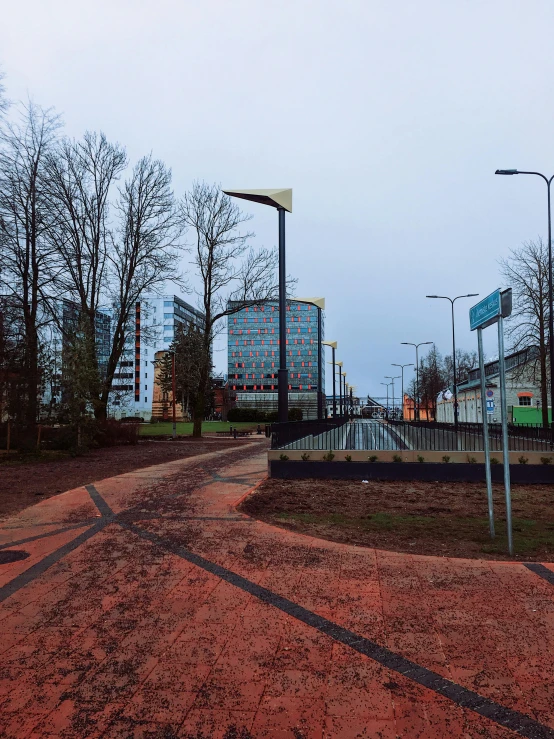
106, 633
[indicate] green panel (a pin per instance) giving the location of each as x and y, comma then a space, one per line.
526, 414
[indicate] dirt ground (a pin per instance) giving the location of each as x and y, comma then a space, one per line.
24, 482
441, 519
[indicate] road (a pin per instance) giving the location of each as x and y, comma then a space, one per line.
373, 435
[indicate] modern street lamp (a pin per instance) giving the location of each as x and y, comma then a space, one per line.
281, 199
402, 371
339, 365
344, 391
550, 293
416, 399
387, 408
333, 345
320, 305
452, 301
392, 379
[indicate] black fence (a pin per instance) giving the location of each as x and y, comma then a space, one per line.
303, 433
436, 436
391, 435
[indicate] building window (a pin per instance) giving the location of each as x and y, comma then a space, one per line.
146, 387
525, 400
146, 400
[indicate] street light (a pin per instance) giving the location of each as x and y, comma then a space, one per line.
387, 408
416, 399
281, 199
452, 301
402, 370
339, 365
344, 390
392, 379
550, 295
320, 305
333, 345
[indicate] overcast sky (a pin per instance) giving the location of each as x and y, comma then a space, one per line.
388, 120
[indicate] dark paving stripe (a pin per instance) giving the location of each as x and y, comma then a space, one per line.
43, 536
541, 571
27, 577
518, 722
99, 501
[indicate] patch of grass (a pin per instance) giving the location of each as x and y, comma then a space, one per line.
165, 428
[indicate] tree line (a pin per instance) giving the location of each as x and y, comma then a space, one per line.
79, 222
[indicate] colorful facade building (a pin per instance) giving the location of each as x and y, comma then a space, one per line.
253, 355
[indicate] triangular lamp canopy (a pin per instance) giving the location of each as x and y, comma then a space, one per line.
277, 198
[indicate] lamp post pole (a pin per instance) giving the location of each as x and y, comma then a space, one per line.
339, 365
548, 182
392, 379
387, 408
343, 392
280, 198
452, 301
283, 375
402, 371
416, 399
333, 345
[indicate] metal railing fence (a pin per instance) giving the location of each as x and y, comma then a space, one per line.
380, 435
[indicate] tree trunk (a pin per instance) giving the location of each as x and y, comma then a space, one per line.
544, 386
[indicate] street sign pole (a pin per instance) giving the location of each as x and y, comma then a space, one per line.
505, 447
485, 431
493, 309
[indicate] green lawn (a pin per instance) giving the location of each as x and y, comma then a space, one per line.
185, 429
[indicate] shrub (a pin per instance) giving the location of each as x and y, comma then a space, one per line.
348, 457
328, 457
446, 459
255, 415
546, 460
373, 458
471, 460
523, 460
304, 457
396, 458
494, 460
420, 458
283, 457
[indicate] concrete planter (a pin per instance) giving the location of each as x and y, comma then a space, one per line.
423, 471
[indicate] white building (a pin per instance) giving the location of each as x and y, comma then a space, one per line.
156, 321
522, 392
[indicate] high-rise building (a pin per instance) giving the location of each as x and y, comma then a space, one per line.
253, 355
156, 320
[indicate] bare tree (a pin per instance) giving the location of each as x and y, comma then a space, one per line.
26, 273
105, 265
526, 271
233, 275
4, 103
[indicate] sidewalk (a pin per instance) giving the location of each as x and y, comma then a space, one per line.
148, 607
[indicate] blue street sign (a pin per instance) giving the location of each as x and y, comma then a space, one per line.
490, 406
486, 312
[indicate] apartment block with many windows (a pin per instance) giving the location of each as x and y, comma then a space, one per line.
253, 355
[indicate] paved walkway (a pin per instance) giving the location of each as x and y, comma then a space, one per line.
148, 607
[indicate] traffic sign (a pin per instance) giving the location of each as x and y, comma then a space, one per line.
485, 312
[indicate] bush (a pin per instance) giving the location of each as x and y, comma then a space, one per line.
494, 460
348, 457
396, 458
304, 457
373, 458
328, 457
471, 460
446, 459
420, 458
255, 415
523, 460
546, 460
283, 457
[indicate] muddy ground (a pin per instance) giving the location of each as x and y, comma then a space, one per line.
444, 519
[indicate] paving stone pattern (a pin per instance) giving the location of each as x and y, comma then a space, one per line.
148, 607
